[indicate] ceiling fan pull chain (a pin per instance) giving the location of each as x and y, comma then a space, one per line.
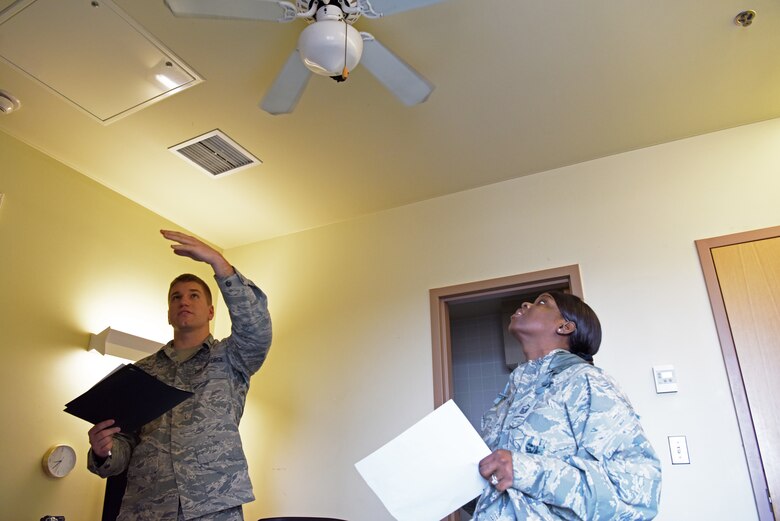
345, 72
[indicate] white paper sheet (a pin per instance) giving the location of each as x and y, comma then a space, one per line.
430, 470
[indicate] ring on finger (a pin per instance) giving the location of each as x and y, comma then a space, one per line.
493, 480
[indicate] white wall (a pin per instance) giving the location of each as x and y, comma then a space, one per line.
351, 362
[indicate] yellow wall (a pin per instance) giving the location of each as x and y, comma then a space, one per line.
351, 362
351, 366
76, 258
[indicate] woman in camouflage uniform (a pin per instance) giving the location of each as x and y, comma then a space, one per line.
566, 442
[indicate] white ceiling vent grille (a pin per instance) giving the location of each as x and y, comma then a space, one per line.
215, 153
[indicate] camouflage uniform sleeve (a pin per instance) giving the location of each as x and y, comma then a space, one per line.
614, 474
250, 336
119, 459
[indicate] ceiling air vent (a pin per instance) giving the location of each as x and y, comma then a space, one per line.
215, 153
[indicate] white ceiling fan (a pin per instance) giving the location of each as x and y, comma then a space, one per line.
329, 46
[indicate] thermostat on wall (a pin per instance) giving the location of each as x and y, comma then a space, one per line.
665, 378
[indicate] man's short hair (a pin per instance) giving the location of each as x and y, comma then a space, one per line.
189, 277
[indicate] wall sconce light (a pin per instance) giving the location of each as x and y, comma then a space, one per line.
123, 345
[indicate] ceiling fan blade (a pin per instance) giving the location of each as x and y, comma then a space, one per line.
379, 8
284, 94
269, 10
395, 74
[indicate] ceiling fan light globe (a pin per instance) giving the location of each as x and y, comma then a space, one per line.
321, 46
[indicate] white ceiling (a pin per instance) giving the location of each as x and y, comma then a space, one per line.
521, 87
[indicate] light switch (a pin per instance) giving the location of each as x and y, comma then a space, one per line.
665, 378
678, 446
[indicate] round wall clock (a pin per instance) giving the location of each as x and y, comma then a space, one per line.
59, 460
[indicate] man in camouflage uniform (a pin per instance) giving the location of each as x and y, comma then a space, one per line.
567, 443
189, 463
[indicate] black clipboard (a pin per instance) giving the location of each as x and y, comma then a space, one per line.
128, 395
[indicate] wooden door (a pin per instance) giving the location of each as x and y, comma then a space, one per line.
747, 275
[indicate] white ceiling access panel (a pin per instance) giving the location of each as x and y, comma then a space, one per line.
94, 55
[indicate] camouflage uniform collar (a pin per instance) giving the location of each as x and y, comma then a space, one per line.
555, 363
560, 360
547, 361
170, 351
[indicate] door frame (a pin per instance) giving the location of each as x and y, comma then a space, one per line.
733, 371
441, 298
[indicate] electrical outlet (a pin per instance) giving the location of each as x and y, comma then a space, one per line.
678, 447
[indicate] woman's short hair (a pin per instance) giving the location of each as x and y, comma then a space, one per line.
189, 277
586, 339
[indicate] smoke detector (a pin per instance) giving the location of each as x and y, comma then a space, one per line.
8, 102
745, 18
